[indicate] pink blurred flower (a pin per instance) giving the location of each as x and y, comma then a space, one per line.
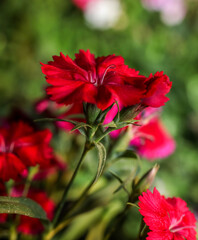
152, 140
172, 11
50, 109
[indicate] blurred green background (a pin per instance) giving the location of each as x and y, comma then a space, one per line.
33, 31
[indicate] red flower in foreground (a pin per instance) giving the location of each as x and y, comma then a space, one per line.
22, 147
167, 218
152, 140
100, 80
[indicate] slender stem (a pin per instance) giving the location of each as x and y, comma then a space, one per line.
57, 229
13, 233
87, 147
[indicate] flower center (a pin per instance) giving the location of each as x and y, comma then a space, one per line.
6, 148
174, 227
112, 66
96, 80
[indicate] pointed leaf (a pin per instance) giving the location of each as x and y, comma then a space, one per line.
56, 119
102, 159
122, 185
111, 125
22, 206
127, 154
80, 125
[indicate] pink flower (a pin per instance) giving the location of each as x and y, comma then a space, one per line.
172, 11
152, 140
73, 109
167, 218
21, 147
100, 80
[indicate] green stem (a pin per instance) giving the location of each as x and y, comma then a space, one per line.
104, 134
13, 233
87, 147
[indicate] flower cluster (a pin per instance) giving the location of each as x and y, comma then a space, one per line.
101, 96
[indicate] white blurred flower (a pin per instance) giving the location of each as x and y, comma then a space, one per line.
102, 14
154, 5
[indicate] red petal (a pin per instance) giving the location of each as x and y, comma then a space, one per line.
157, 87
85, 60
10, 166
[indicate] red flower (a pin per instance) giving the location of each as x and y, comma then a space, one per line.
152, 140
157, 87
100, 80
22, 147
167, 218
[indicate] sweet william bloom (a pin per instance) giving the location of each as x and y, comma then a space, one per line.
167, 218
100, 80
22, 147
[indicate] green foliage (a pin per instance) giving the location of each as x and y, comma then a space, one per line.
22, 206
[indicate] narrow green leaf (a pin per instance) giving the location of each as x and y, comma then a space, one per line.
111, 125
127, 154
122, 185
80, 125
56, 120
22, 206
102, 159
